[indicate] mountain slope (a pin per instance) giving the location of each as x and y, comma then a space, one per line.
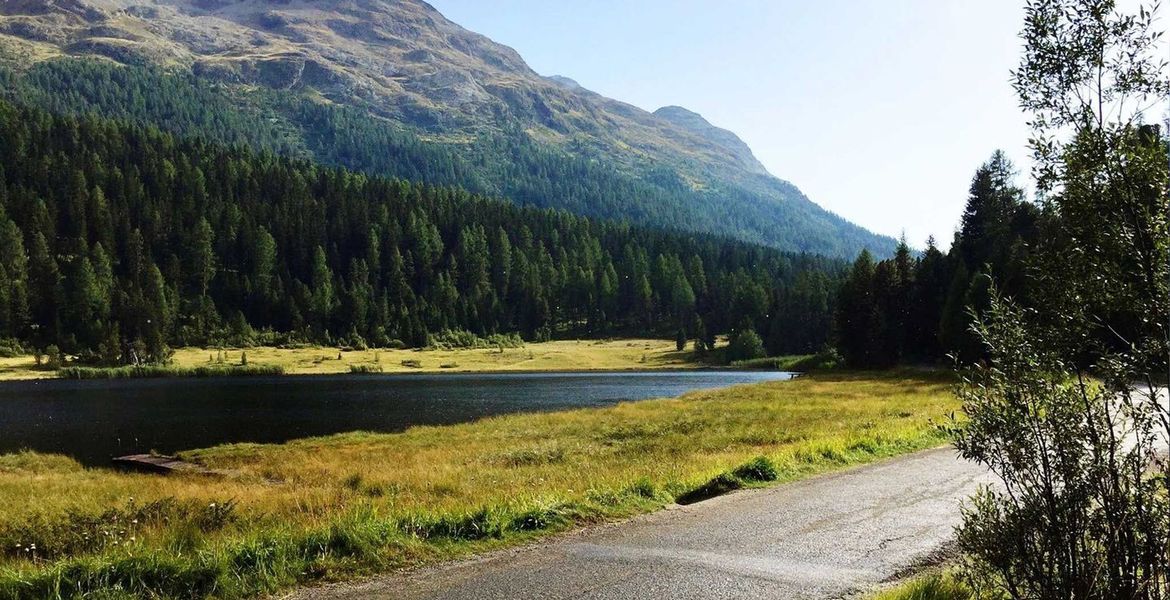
724, 139
455, 91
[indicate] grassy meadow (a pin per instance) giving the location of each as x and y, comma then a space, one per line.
563, 355
332, 507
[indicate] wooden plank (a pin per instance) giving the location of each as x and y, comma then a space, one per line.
161, 464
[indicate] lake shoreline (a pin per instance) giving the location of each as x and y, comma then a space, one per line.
95, 420
391, 375
584, 356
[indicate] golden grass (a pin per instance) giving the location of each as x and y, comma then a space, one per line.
582, 463
583, 355
22, 367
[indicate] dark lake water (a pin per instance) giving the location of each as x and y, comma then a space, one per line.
93, 421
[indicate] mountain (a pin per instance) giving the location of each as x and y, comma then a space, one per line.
725, 140
331, 80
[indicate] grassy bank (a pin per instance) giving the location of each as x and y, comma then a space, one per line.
571, 355
148, 371
336, 506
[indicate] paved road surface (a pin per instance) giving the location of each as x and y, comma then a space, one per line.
823, 537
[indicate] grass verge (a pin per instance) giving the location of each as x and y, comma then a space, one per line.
936, 585
338, 506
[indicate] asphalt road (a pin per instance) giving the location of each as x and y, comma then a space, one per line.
824, 537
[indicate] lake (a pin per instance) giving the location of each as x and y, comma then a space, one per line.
93, 421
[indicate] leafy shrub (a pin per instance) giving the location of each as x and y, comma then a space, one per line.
353, 341
54, 358
10, 348
365, 369
452, 339
745, 344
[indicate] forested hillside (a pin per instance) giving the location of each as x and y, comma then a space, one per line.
395, 89
120, 241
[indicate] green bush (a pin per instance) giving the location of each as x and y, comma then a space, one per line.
745, 344
452, 339
10, 348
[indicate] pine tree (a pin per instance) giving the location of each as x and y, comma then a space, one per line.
44, 282
857, 313
323, 299
14, 309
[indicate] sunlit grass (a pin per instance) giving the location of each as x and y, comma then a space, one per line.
936, 585
361, 502
563, 355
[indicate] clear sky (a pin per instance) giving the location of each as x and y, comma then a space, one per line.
878, 110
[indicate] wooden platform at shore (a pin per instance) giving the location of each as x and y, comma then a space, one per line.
166, 465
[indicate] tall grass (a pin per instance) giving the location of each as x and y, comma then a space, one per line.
360, 503
932, 586
796, 362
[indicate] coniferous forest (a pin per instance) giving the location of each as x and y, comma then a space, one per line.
122, 241
919, 309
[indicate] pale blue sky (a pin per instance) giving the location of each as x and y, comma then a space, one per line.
878, 110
